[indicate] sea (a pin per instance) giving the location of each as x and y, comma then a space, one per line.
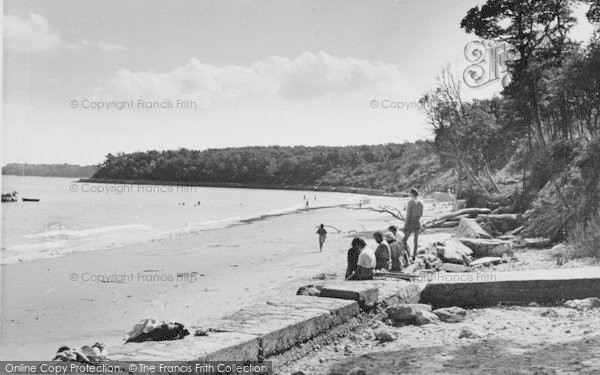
75, 217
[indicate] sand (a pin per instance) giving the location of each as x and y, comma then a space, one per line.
53, 302
510, 340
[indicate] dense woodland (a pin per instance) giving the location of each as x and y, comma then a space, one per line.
49, 170
542, 133
547, 118
389, 167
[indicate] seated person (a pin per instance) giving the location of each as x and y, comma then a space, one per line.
357, 245
400, 257
365, 265
383, 254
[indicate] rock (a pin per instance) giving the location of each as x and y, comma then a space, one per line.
384, 336
406, 313
549, 313
380, 316
487, 247
486, 261
299, 373
309, 290
413, 267
425, 317
468, 333
583, 304
455, 252
468, 228
357, 371
452, 314
533, 304
450, 267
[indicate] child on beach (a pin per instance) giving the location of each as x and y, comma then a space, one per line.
322, 235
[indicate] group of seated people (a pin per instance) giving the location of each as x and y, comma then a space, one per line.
391, 254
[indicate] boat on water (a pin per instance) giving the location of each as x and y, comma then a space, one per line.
10, 197
30, 199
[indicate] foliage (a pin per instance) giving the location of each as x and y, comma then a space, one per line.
49, 170
384, 167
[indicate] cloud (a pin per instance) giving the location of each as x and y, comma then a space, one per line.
308, 77
104, 46
32, 33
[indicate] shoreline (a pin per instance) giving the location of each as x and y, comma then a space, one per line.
244, 185
234, 268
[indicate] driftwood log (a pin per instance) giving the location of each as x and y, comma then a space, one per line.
457, 215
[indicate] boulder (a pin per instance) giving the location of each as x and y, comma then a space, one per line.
454, 251
488, 247
468, 228
452, 314
384, 335
425, 317
406, 313
583, 304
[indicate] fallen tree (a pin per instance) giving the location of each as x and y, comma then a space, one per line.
456, 215
381, 209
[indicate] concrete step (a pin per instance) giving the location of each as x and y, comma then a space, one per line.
477, 289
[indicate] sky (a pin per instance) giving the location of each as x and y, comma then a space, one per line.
82, 79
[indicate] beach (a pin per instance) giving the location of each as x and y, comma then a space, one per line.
97, 296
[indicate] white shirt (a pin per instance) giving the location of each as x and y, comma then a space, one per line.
366, 258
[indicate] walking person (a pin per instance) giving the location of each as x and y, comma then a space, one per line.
412, 223
322, 236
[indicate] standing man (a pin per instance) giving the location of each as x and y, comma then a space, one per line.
412, 224
322, 235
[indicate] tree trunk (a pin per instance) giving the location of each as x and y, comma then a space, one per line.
473, 178
486, 167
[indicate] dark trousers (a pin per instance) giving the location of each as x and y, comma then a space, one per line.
362, 273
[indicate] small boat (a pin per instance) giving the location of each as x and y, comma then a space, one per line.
10, 197
30, 199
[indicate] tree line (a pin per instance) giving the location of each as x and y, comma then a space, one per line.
49, 170
390, 167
